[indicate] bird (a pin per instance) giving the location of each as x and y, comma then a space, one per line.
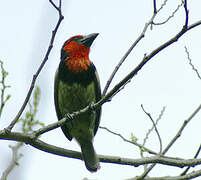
76, 86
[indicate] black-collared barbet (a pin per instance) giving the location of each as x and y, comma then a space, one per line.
77, 86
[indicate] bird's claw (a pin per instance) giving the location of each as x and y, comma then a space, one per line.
69, 119
91, 106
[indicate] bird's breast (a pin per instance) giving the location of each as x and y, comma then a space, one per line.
75, 96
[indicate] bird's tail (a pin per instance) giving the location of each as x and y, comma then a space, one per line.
89, 156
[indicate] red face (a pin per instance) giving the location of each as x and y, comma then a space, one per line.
78, 54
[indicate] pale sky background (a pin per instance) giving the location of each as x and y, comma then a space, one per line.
167, 80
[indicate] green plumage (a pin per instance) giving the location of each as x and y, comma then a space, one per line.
70, 98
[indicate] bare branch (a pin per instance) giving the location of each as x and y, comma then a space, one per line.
171, 16
181, 129
196, 155
146, 58
191, 64
150, 130
191, 175
154, 4
142, 35
186, 12
163, 5
131, 142
154, 125
9, 128
54, 5
172, 141
28, 139
31, 140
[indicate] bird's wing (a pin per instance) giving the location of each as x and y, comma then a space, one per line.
98, 97
59, 115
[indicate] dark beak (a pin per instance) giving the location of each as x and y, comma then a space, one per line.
88, 40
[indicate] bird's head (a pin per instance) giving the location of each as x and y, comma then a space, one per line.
75, 52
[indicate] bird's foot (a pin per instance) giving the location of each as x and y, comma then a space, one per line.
69, 119
91, 106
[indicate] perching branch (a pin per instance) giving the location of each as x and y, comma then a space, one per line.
31, 139
61, 17
28, 139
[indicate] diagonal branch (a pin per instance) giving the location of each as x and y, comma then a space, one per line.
171, 16
172, 141
9, 128
146, 59
151, 129
196, 155
156, 129
191, 64
142, 35
131, 142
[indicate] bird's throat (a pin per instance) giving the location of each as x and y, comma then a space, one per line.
77, 65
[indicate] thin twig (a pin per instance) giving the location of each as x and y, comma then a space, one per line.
14, 161
142, 35
156, 129
196, 155
136, 144
171, 16
155, 8
9, 128
131, 142
184, 29
188, 176
4, 99
150, 130
191, 64
163, 5
186, 12
181, 129
171, 142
